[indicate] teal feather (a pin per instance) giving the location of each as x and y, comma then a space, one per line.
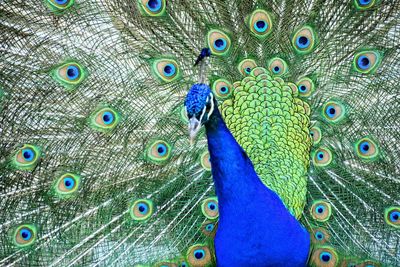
116, 45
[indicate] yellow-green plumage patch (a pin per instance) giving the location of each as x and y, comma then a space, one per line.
271, 125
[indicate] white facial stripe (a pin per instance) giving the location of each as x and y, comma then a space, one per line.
202, 114
212, 104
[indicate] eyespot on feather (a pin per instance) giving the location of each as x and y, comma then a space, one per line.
319, 235
205, 161
222, 89
305, 86
59, 5
67, 184
316, 135
153, 8
69, 74
322, 157
199, 256
26, 157
209, 207
364, 4
304, 40
141, 209
158, 152
209, 228
277, 66
246, 66
260, 23
366, 149
392, 216
104, 119
166, 69
324, 256
182, 263
219, 42
24, 235
333, 112
366, 61
321, 210
165, 264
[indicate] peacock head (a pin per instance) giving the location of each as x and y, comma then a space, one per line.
199, 105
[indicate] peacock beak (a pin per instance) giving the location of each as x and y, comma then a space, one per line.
194, 128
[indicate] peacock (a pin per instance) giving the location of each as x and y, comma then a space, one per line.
160, 133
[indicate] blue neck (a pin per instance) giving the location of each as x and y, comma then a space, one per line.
248, 210
227, 158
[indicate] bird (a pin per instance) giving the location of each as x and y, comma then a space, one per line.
199, 133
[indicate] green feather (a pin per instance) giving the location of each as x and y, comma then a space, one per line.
134, 59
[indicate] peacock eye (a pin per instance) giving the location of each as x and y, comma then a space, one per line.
366, 61
70, 74
158, 151
107, 117
363, 62
169, 70
152, 7
28, 154
316, 134
277, 66
25, 235
209, 208
141, 209
304, 40
104, 119
333, 111
73, 72
162, 149
67, 184
325, 257
218, 42
199, 255
305, 87
320, 235
366, 149
260, 23
205, 160
166, 69
212, 206
392, 216
59, 5
26, 157
364, 4
222, 88
209, 227
245, 66
320, 210
322, 157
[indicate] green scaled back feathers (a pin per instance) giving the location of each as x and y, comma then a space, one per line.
95, 163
